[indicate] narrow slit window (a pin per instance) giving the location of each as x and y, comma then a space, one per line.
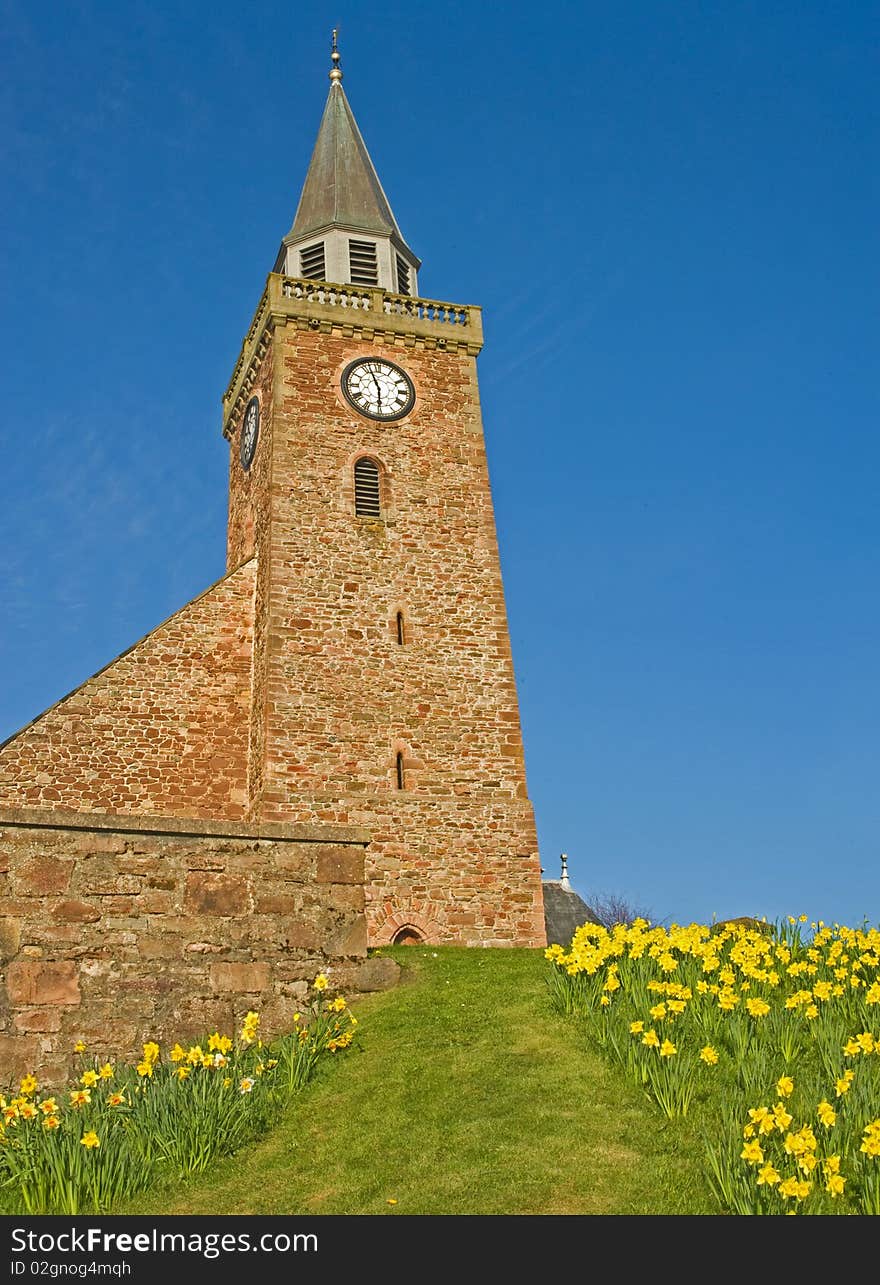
401, 632
311, 262
363, 263
366, 489
400, 780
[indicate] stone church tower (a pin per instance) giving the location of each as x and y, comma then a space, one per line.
353, 667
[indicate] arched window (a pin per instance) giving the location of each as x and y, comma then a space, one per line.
401, 784
401, 630
366, 488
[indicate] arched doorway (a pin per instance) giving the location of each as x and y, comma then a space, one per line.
407, 936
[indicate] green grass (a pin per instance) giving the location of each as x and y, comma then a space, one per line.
463, 1093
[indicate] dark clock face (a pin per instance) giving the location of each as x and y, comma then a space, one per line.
250, 428
378, 389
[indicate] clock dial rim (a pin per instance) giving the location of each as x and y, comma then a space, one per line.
247, 447
382, 417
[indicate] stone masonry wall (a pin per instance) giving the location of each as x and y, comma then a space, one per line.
163, 729
117, 930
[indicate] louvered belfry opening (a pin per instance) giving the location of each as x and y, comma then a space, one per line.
363, 263
402, 276
311, 262
366, 489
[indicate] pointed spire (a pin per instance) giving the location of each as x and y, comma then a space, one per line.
342, 195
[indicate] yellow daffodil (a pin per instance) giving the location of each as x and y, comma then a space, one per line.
89, 1079
826, 1113
80, 1097
105, 1072
842, 1084
785, 1086
90, 1140
752, 1153
781, 1118
709, 1055
29, 1085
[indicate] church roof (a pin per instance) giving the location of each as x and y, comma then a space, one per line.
564, 912
342, 187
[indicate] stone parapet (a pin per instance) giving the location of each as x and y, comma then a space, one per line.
357, 312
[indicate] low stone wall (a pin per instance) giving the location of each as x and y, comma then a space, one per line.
116, 930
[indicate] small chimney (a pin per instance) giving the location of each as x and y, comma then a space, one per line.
564, 877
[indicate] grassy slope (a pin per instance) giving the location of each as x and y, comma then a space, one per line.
462, 1094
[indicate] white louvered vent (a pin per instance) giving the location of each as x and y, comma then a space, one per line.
366, 489
402, 276
362, 260
311, 262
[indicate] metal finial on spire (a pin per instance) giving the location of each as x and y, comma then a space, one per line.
335, 73
564, 878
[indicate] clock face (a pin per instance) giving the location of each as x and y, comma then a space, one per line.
378, 388
250, 427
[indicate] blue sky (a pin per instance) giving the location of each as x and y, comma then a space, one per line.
668, 214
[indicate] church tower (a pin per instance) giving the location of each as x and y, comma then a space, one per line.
383, 691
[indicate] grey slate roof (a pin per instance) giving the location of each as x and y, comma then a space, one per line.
564, 911
342, 187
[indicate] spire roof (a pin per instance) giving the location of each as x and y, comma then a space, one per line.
342, 188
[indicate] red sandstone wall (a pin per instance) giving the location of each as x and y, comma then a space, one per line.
163, 729
117, 934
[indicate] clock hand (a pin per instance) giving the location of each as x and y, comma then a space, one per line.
378, 391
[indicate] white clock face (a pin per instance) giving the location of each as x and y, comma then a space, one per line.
378, 388
250, 428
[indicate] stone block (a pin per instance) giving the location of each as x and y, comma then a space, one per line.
44, 876
75, 912
158, 948
275, 904
340, 865
376, 974
301, 937
10, 938
216, 894
239, 979
18, 1056
40, 1020
350, 938
31, 981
